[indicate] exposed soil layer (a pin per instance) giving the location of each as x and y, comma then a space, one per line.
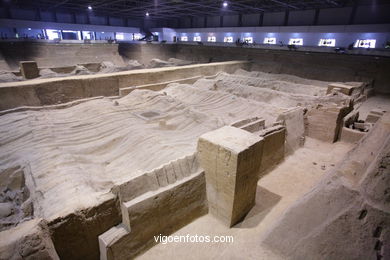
63, 163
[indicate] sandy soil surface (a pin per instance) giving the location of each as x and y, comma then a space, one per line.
266, 94
102, 68
73, 156
276, 191
347, 215
6, 76
283, 77
381, 102
275, 83
225, 107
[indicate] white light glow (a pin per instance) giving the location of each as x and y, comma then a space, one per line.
295, 41
184, 38
53, 34
327, 42
369, 43
269, 40
137, 36
228, 39
225, 4
197, 39
89, 7
248, 39
119, 36
211, 39
147, 14
87, 35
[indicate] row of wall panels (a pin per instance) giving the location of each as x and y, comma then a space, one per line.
344, 35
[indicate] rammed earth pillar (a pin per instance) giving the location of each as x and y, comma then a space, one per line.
29, 69
231, 159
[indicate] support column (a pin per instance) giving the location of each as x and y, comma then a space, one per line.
240, 20
38, 15
231, 159
286, 15
261, 19
317, 14
353, 13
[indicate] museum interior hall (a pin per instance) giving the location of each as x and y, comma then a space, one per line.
195, 129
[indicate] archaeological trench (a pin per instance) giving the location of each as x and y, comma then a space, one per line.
105, 146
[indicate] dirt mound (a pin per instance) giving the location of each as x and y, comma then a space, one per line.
282, 77
30, 240
134, 65
179, 62
347, 216
48, 73
157, 63
109, 67
9, 77
15, 203
80, 70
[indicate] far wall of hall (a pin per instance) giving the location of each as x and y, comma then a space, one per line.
344, 34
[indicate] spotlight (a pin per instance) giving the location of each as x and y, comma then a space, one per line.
225, 4
89, 7
147, 14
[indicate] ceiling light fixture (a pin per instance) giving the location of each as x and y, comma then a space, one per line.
225, 4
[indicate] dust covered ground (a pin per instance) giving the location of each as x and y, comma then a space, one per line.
93, 68
67, 158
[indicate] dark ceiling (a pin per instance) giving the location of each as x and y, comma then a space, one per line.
168, 9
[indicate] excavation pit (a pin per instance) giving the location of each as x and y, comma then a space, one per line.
112, 158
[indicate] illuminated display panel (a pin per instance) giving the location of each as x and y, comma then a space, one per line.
137, 36
211, 39
120, 36
295, 41
88, 35
197, 39
53, 34
228, 39
327, 42
184, 38
369, 43
248, 39
269, 40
